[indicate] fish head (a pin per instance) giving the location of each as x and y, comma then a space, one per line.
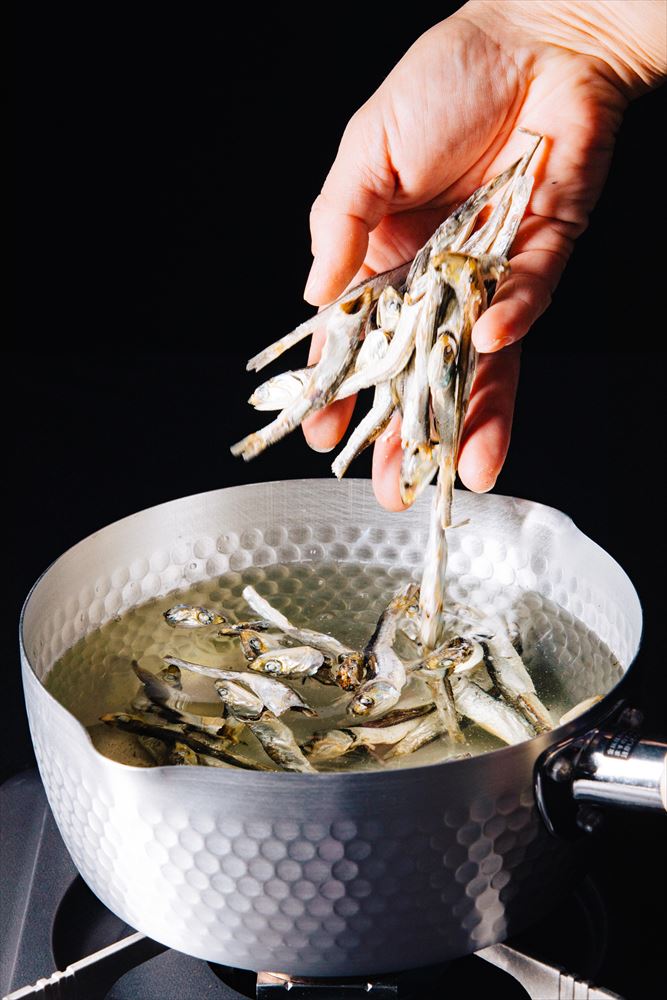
418, 466
171, 675
389, 309
252, 644
375, 696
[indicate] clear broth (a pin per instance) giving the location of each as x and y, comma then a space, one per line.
567, 661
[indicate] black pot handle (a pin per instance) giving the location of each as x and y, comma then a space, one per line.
611, 765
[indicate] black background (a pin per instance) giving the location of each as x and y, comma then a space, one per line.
166, 165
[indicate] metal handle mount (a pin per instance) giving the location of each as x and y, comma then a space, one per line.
611, 765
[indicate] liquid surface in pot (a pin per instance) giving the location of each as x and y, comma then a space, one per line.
567, 661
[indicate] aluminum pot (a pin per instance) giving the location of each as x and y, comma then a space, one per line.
339, 873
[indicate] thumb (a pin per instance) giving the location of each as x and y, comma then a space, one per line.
355, 197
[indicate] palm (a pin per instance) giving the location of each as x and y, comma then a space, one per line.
433, 132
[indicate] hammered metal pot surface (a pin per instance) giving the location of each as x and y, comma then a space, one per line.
329, 874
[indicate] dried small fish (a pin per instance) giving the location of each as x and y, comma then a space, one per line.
367, 430
441, 689
375, 695
273, 694
459, 655
171, 675
373, 348
488, 238
380, 732
398, 716
385, 666
151, 725
418, 465
432, 588
305, 636
507, 670
252, 644
297, 661
425, 731
490, 713
389, 308
160, 692
281, 390
192, 616
331, 746
279, 743
455, 224
344, 328
239, 700
233, 628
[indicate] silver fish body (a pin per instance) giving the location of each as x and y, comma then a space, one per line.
443, 698
239, 700
279, 743
418, 465
367, 430
297, 661
424, 732
272, 693
388, 675
508, 671
490, 713
280, 390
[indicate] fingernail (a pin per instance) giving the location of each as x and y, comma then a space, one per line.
314, 280
487, 345
322, 451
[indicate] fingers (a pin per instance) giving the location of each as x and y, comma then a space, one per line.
355, 196
387, 466
486, 434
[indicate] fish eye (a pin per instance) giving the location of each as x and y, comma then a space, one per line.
273, 666
255, 645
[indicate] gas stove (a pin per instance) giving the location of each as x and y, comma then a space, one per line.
60, 941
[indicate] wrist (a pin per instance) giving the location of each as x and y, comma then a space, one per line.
628, 37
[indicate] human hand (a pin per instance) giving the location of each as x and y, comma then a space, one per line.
444, 121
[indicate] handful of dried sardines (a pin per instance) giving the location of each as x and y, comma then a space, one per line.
429, 669
385, 701
408, 333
